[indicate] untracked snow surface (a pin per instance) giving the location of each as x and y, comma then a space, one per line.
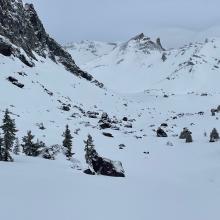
164, 181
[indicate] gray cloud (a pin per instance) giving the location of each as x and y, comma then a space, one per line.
111, 20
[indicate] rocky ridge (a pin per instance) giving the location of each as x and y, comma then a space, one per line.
21, 29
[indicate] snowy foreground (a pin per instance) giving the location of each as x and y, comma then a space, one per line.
178, 182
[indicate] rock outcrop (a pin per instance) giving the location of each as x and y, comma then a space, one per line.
106, 167
21, 27
161, 133
143, 43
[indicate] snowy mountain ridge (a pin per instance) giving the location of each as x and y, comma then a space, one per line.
138, 131
190, 68
21, 26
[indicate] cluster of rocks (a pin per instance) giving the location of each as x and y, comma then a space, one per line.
105, 121
113, 123
66, 107
51, 152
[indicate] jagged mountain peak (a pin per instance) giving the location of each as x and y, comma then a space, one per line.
155, 68
22, 29
140, 36
142, 43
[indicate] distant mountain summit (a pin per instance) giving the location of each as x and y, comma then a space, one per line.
21, 31
141, 63
143, 43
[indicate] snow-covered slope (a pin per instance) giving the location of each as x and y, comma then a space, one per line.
137, 68
170, 182
165, 178
181, 181
86, 51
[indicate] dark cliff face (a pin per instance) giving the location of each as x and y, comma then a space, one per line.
21, 25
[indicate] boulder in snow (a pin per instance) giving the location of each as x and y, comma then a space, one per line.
161, 133
107, 167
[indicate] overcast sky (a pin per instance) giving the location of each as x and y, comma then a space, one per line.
176, 21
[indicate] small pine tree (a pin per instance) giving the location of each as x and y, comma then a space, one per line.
67, 142
16, 149
9, 134
90, 152
214, 136
28, 143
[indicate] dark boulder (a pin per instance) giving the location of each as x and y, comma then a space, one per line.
12, 79
15, 82
20, 85
108, 167
184, 133
65, 108
107, 134
146, 152
128, 125
189, 137
89, 172
201, 113
5, 49
125, 119
161, 133
213, 111
164, 125
105, 125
